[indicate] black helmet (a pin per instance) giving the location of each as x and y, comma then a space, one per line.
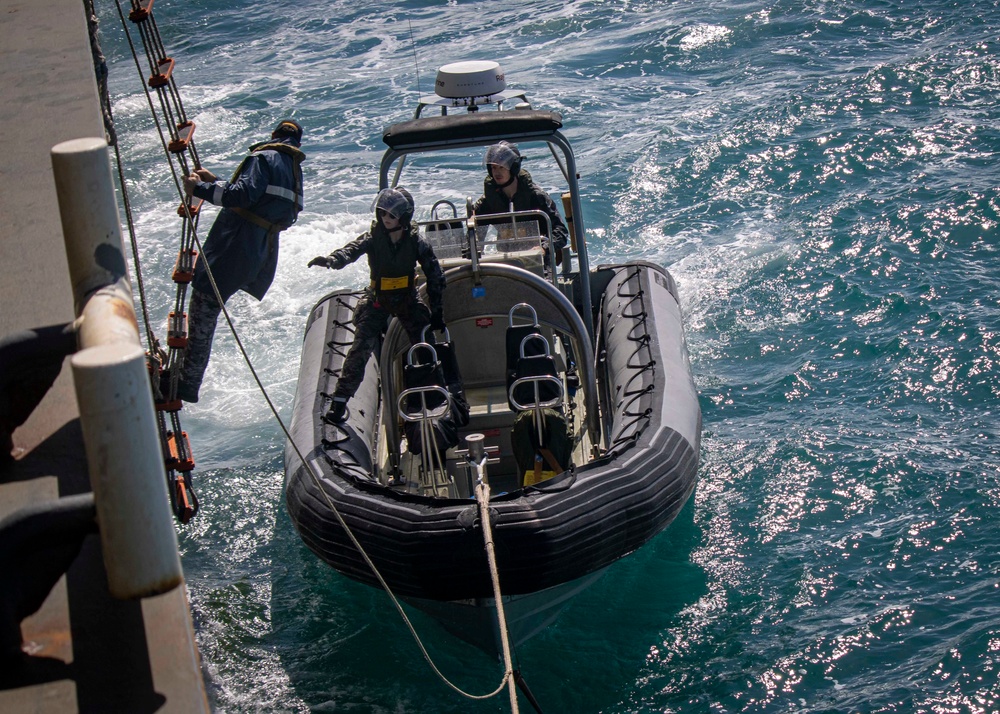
397, 202
503, 154
288, 128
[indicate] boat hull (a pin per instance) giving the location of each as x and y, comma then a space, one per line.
547, 535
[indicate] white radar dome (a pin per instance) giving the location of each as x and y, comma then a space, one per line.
469, 79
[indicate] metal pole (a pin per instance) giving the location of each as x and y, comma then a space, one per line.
102, 295
89, 214
116, 406
126, 470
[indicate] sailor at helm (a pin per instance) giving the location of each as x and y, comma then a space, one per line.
394, 247
507, 185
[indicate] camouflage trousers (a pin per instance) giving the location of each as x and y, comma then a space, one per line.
370, 322
203, 314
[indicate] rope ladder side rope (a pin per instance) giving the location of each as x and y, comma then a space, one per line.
483, 498
164, 365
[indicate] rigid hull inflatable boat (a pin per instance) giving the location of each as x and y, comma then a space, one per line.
568, 392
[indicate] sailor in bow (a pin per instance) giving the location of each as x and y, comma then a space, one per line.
394, 248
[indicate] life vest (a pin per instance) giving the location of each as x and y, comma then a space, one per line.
293, 195
393, 267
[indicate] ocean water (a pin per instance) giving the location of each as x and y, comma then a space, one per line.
821, 178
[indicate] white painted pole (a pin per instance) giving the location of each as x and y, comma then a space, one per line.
127, 473
89, 213
126, 470
92, 231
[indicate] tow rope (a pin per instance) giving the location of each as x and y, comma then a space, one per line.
483, 499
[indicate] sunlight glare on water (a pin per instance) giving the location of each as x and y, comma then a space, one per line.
820, 177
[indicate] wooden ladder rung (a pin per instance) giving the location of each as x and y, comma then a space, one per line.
176, 460
184, 266
193, 207
177, 330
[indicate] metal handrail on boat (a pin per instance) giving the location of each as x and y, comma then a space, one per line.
432, 134
424, 412
473, 245
497, 219
536, 383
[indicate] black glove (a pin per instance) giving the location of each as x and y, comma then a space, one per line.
437, 321
327, 261
545, 250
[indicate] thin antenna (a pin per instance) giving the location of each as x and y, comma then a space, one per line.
416, 66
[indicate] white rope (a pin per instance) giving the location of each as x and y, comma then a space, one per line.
333, 509
483, 498
507, 678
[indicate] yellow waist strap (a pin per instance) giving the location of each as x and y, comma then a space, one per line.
392, 283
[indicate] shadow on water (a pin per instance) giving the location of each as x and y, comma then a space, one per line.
342, 645
590, 659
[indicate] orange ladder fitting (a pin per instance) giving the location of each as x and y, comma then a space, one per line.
184, 505
180, 458
162, 78
177, 330
185, 133
141, 13
193, 208
184, 267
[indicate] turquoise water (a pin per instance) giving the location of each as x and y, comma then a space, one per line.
821, 178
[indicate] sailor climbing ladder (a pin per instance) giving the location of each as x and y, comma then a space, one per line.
177, 136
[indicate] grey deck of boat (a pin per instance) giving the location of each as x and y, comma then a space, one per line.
89, 651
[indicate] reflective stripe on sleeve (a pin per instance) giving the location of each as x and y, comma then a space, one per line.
284, 193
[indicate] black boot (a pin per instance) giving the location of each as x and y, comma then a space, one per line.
187, 393
338, 411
